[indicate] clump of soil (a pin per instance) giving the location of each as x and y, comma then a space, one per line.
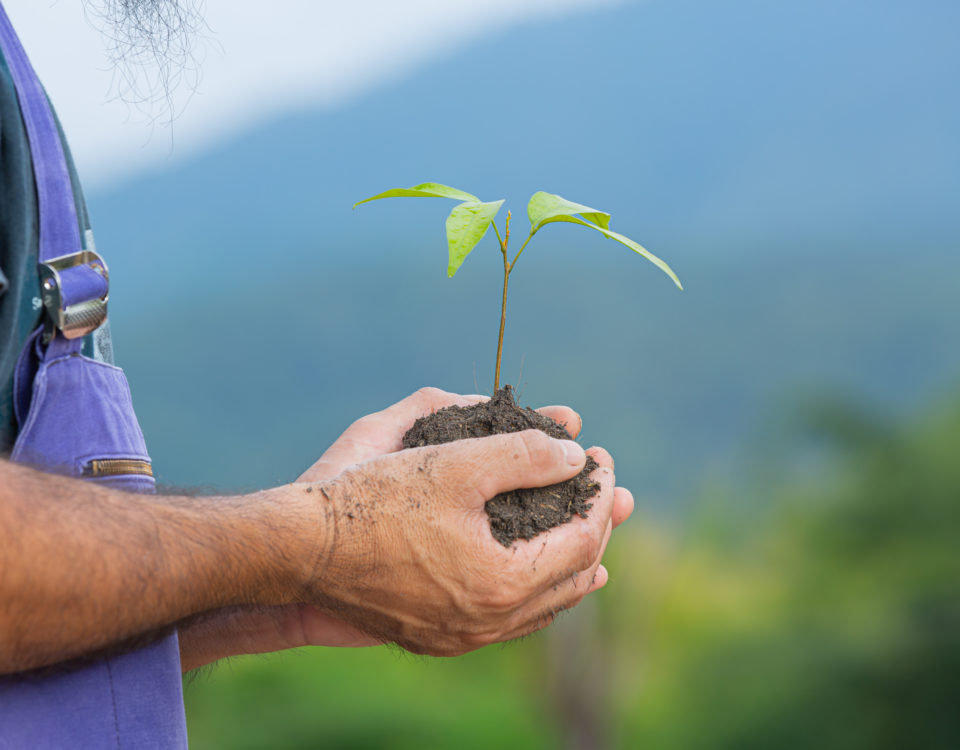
520, 514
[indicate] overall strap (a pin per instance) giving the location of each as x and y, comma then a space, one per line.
59, 230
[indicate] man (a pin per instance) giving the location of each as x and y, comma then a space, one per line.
105, 595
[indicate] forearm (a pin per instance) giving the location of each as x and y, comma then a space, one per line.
233, 631
82, 567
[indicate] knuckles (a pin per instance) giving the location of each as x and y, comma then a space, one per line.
587, 546
501, 599
362, 424
535, 448
602, 456
488, 596
430, 396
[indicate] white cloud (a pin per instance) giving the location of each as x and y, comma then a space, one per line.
268, 56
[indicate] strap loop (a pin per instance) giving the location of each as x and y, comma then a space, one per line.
75, 291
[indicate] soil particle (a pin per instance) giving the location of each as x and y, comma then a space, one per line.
521, 514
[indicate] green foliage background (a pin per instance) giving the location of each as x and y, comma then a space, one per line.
825, 614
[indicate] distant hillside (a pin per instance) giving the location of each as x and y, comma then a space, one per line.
795, 162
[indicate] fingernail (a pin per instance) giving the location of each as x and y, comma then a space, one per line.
575, 454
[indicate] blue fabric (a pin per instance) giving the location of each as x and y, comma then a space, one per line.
82, 283
72, 409
59, 228
80, 410
20, 309
108, 705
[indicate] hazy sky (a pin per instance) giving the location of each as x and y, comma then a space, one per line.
265, 57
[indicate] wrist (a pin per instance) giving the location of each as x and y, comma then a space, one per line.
293, 525
234, 551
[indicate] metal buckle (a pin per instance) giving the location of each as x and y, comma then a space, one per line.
84, 316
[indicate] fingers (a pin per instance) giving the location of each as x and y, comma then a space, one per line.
425, 401
573, 547
622, 505
622, 497
565, 416
385, 429
600, 579
501, 463
543, 609
601, 456
568, 592
381, 432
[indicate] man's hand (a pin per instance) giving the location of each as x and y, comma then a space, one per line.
85, 569
411, 558
442, 558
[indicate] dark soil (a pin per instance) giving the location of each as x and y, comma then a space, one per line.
521, 514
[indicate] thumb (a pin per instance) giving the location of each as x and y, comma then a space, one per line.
501, 463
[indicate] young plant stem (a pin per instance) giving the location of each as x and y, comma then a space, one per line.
507, 267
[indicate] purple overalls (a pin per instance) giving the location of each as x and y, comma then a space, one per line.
75, 417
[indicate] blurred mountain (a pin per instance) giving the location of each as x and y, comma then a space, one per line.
796, 163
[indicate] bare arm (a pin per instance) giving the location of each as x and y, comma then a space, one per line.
339, 558
82, 567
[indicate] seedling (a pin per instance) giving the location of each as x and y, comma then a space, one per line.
469, 221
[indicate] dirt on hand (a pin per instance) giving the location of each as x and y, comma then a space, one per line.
524, 513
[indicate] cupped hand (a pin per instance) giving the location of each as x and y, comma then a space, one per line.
512, 609
376, 435
382, 432
411, 559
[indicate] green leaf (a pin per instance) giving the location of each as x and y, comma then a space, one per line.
423, 190
624, 240
466, 225
545, 208
637, 248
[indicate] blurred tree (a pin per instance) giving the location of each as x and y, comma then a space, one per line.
837, 626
